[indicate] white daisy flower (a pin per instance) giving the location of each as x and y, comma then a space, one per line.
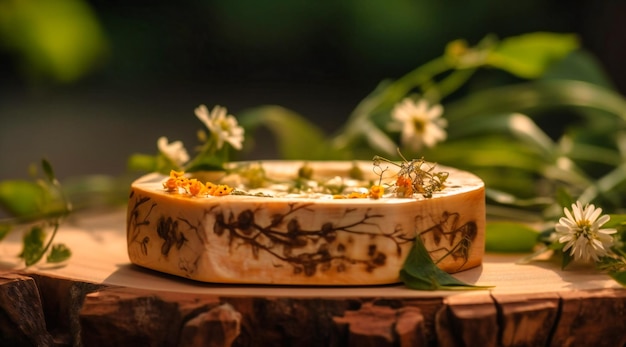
581, 233
223, 127
420, 124
174, 151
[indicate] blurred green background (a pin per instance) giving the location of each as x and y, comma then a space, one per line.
87, 83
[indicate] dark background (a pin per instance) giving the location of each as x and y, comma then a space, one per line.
158, 61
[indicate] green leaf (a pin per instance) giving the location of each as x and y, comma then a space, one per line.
486, 151
531, 97
420, 272
22, 198
297, 138
41, 202
142, 162
516, 124
530, 55
4, 230
564, 198
509, 199
617, 220
509, 237
378, 140
48, 171
206, 164
58, 253
592, 153
58, 41
580, 65
529, 258
605, 184
619, 276
33, 245
567, 259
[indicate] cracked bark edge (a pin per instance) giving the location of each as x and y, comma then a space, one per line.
104, 313
119, 316
22, 321
606, 308
467, 320
62, 299
526, 320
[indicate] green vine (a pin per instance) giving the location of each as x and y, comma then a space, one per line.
37, 208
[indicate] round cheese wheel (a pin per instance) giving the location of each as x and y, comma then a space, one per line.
272, 235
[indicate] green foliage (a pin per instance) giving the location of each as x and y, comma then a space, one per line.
420, 272
22, 198
555, 135
33, 244
60, 40
536, 96
34, 247
42, 204
617, 221
563, 198
214, 161
4, 230
436, 80
296, 137
566, 259
58, 253
579, 65
143, 162
225, 133
619, 277
532, 163
530, 55
509, 237
48, 171
32, 200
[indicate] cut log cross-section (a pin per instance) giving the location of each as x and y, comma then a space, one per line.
103, 315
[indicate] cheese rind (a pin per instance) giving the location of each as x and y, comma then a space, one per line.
303, 241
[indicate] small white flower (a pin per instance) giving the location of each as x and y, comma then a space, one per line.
174, 151
223, 127
581, 232
420, 124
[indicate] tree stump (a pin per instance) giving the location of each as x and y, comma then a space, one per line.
40, 310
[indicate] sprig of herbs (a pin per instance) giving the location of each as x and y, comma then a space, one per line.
36, 207
414, 176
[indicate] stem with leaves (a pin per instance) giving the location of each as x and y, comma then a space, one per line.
37, 206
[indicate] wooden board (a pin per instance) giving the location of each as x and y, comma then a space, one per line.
100, 299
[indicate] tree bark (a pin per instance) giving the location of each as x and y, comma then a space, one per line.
40, 310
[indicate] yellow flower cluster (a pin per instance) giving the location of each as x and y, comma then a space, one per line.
193, 187
404, 187
376, 192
